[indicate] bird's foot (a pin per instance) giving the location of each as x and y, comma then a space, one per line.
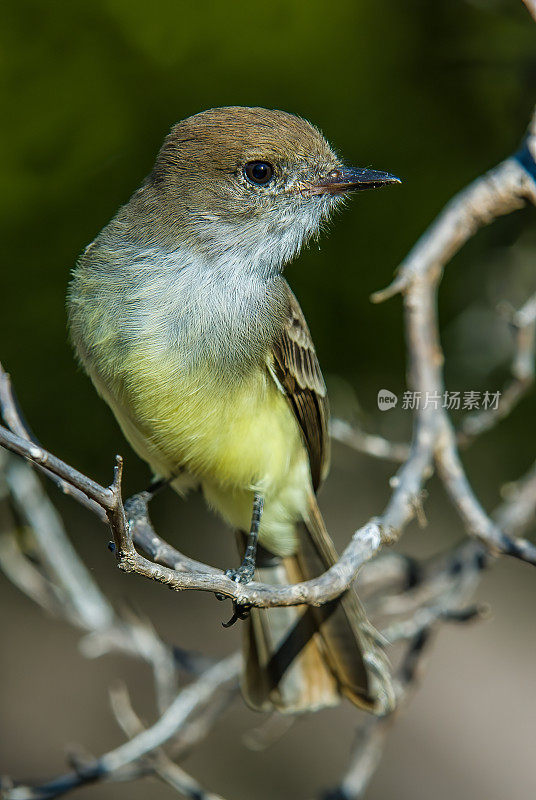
246, 571
239, 612
244, 574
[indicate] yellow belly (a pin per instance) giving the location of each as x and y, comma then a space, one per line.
233, 437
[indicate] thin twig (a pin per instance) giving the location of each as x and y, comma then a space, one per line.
478, 422
82, 596
368, 443
417, 599
451, 585
113, 764
10, 412
160, 763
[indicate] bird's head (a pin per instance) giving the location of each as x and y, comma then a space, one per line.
251, 183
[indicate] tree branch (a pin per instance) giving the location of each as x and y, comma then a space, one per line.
415, 598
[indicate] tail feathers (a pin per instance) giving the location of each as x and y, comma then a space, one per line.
348, 636
302, 658
286, 667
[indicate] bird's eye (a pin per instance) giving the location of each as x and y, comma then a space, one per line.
259, 172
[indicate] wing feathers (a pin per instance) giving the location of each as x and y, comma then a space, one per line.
297, 370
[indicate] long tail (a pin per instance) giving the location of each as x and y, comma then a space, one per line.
301, 658
285, 667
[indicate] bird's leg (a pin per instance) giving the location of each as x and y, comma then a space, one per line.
246, 570
136, 505
157, 484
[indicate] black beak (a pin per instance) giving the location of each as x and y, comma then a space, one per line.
352, 180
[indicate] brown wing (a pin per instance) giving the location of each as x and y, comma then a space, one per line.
296, 367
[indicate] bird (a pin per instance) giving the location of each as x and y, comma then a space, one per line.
181, 316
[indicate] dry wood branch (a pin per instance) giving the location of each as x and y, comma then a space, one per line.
365, 542
67, 589
440, 593
144, 535
503, 189
81, 596
9, 410
115, 764
363, 546
477, 522
445, 593
531, 8
474, 423
441, 597
56, 578
418, 597
368, 443
499, 192
518, 511
159, 761
477, 422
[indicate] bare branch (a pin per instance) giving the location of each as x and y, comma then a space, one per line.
531, 8
10, 412
500, 191
415, 598
478, 422
25, 576
144, 535
519, 509
114, 765
55, 466
368, 443
56, 578
476, 520
365, 543
81, 595
160, 763
444, 594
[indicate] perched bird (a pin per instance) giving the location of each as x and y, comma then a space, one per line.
180, 315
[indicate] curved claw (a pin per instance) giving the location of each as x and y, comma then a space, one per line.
232, 621
239, 612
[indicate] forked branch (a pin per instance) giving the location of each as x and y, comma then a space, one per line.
415, 598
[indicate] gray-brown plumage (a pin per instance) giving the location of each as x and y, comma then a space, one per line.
298, 371
181, 316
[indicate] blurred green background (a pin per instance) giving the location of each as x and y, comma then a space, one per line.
435, 92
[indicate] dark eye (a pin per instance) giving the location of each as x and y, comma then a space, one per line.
258, 172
